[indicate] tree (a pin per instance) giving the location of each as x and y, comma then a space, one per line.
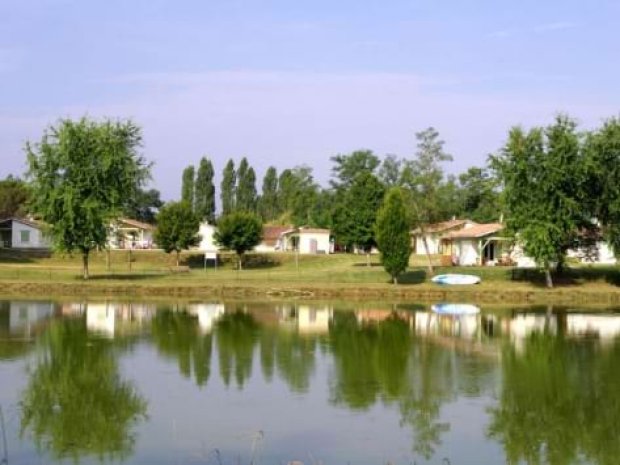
177, 228
187, 186
228, 188
479, 197
354, 220
14, 197
543, 174
239, 231
347, 167
144, 206
269, 199
390, 171
392, 233
204, 192
246, 187
84, 173
423, 176
602, 150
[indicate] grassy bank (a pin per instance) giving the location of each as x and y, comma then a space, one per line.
152, 273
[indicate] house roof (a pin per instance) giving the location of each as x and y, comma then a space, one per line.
28, 222
136, 224
271, 234
478, 230
314, 230
443, 226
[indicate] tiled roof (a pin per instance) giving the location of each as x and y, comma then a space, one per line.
478, 230
443, 226
271, 234
136, 223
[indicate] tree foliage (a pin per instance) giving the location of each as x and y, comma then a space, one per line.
239, 231
544, 176
14, 197
187, 186
246, 187
177, 228
268, 202
348, 166
228, 188
392, 233
144, 205
84, 173
204, 191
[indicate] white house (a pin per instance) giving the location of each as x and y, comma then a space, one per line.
126, 233
434, 233
20, 233
272, 238
207, 243
476, 245
307, 240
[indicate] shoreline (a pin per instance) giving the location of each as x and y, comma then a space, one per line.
492, 293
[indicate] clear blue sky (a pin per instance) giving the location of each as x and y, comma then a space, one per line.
292, 82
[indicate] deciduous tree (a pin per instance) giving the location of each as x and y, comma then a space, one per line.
228, 188
177, 228
204, 192
187, 186
84, 174
239, 231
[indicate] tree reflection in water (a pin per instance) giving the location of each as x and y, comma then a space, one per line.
560, 402
237, 335
76, 402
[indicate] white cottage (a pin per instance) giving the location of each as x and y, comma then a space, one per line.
21, 233
307, 240
433, 234
126, 233
207, 242
479, 244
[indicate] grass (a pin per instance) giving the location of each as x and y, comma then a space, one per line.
340, 275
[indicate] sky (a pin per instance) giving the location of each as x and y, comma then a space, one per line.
286, 83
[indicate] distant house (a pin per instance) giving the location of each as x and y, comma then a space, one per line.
272, 238
434, 233
307, 240
593, 249
126, 233
478, 244
207, 242
21, 233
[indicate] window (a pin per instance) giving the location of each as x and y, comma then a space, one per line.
24, 237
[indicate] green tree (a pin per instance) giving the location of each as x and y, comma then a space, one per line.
177, 228
479, 195
144, 205
602, 150
204, 191
269, 198
423, 175
84, 173
354, 221
543, 174
246, 187
187, 186
14, 197
392, 232
297, 194
228, 188
390, 172
347, 167
239, 231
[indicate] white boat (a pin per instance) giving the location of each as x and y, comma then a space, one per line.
456, 279
455, 309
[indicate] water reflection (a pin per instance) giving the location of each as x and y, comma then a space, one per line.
76, 402
550, 378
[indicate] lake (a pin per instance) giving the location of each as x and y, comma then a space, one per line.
321, 383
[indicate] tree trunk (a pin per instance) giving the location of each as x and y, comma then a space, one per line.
428, 255
548, 277
368, 258
85, 264
107, 259
178, 253
395, 280
240, 260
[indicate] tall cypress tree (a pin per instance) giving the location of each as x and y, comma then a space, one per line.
187, 186
246, 187
228, 190
204, 193
269, 198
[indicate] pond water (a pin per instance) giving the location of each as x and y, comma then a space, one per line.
269, 383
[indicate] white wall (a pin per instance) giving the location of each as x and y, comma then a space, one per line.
306, 238
207, 243
433, 244
467, 252
36, 239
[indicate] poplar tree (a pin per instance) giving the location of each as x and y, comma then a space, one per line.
187, 186
204, 192
228, 188
246, 187
268, 204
